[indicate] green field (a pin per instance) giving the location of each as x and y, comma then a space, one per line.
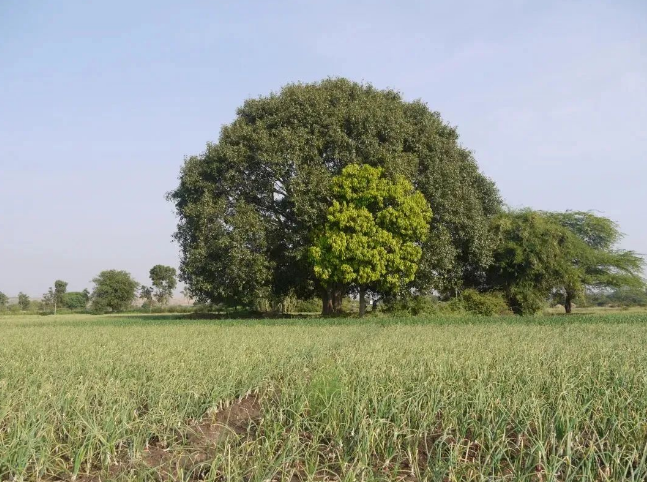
156, 398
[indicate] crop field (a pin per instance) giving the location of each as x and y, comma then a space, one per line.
160, 398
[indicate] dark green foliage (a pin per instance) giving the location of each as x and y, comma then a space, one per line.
534, 255
486, 304
599, 263
114, 290
164, 280
414, 305
312, 305
23, 301
76, 300
4, 300
542, 254
249, 204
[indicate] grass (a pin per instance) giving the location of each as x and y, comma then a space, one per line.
167, 398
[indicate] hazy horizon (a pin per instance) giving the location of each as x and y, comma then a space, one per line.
100, 103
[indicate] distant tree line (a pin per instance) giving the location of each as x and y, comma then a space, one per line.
114, 291
337, 189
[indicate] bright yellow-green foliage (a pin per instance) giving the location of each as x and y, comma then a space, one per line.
373, 231
459, 399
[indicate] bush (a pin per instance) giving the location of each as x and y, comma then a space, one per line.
411, 305
312, 305
526, 301
486, 304
75, 300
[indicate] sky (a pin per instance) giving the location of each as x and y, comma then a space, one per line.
101, 101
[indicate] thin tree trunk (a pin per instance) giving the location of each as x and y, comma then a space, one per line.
374, 307
362, 301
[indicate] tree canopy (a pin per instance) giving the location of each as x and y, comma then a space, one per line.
75, 300
372, 235
60, 288
598, 260
249, 205
164, 281
4, 300
23, 301
532, 258
544, 253
114, 290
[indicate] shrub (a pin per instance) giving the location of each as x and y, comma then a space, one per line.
312, 305
526, 301
75, 300
486, 304
411, 305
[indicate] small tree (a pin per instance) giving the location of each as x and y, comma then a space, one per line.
4, 300
55, 297
532, 258
75, 300
60, 288
23, 301
49, 300
542, 254
372, 236
146, 294
114, 290
596, 259
164, 280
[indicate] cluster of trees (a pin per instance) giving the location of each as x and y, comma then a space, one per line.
622, 297
114, 291
58, 297
542, 254
163, 282
337, 188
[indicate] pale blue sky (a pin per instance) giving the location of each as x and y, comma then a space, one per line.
100, 102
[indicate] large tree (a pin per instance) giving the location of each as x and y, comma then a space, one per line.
114, 290
249, 204
4, 300
371, 237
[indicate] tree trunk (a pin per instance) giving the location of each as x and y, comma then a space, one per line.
362, 301
326, 302
568, 302
337, 300
331, 299
374, 307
